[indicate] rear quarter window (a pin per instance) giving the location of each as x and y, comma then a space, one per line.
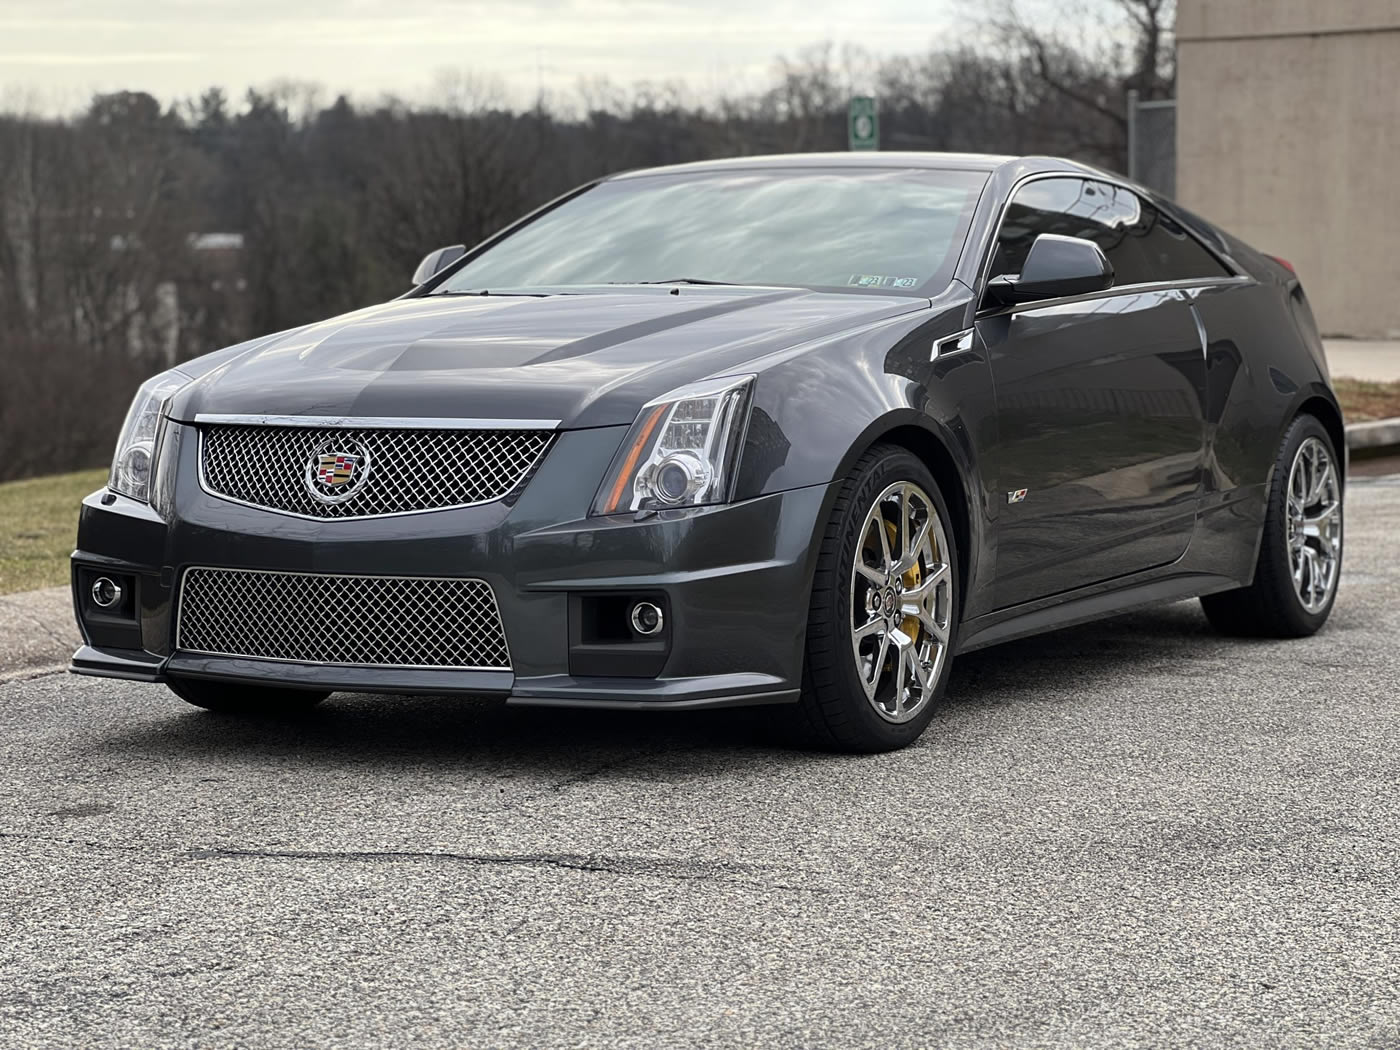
1143, 243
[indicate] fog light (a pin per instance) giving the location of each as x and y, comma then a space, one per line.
646, 619
106, 592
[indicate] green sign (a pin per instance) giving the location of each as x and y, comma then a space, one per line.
864, 125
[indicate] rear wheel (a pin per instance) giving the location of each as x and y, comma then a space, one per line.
1300, 553
883, 618
252, 700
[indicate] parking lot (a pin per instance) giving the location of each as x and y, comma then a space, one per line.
1130, 833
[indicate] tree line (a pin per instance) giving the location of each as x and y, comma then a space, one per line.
135, 234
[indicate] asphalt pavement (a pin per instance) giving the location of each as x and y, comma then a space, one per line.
37, 632
1130, 834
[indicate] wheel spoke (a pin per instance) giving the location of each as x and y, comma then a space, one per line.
866, 630
918, 677
1322, 520
911, 553
1314, 584
905, 646
903, 525
901, 667
930, 623
928, 585
875, 576
888, 559
913, 539
923, 672
1321, 479
877, 666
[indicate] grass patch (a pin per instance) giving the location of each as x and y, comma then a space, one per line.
1363, 400
39, 526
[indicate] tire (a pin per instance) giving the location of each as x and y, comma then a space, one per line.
839, 710
249, 700
1293, 591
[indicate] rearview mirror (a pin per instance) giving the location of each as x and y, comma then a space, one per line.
1055, 266
435, 262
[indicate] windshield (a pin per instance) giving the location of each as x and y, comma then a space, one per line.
892, 231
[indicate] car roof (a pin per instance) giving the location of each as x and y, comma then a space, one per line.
987, 162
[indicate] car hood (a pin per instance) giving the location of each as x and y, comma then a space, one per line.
581, 359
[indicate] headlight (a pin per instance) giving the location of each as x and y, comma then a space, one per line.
136, 448
682, 450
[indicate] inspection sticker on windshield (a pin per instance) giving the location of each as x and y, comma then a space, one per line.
874, 280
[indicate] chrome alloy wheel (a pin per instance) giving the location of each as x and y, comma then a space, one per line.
901, 602
1314, 524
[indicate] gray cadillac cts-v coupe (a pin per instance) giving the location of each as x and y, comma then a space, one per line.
776, 430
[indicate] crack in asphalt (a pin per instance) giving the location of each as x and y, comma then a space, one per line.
9, 678
29, 674
684, 870
662, 868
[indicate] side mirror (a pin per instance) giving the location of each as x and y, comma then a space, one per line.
1055, 266
435, 262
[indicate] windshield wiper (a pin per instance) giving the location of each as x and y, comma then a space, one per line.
676, 280
487, 291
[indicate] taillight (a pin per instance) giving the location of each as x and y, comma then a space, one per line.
1285, 264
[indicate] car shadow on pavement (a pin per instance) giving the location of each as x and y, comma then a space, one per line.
454, 731
1088, 656
449, 732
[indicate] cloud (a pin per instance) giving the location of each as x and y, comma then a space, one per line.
370, 47
31, 58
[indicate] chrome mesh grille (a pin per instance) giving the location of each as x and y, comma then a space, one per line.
367, 621
399, 470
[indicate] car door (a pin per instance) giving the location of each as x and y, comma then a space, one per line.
1099, 402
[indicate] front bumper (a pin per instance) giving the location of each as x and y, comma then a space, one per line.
735, 580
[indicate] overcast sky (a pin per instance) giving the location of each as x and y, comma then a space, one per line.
63, 50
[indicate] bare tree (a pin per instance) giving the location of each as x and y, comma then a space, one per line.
1087, 56
105, 219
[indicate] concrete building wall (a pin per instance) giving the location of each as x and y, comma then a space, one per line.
1288, 135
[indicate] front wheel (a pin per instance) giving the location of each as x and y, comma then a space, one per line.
883, 618
249, 700
1300, 552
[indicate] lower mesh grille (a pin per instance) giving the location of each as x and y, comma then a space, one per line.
365, 621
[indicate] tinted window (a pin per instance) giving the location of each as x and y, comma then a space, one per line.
1141, 242
882, 230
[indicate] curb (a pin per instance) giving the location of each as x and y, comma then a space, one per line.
1379, 435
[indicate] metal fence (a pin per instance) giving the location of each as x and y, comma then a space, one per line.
1152, 143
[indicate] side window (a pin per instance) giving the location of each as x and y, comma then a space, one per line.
1043, 206
1168, 252
1142, 243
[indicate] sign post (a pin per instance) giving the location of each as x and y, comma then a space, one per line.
864, 124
